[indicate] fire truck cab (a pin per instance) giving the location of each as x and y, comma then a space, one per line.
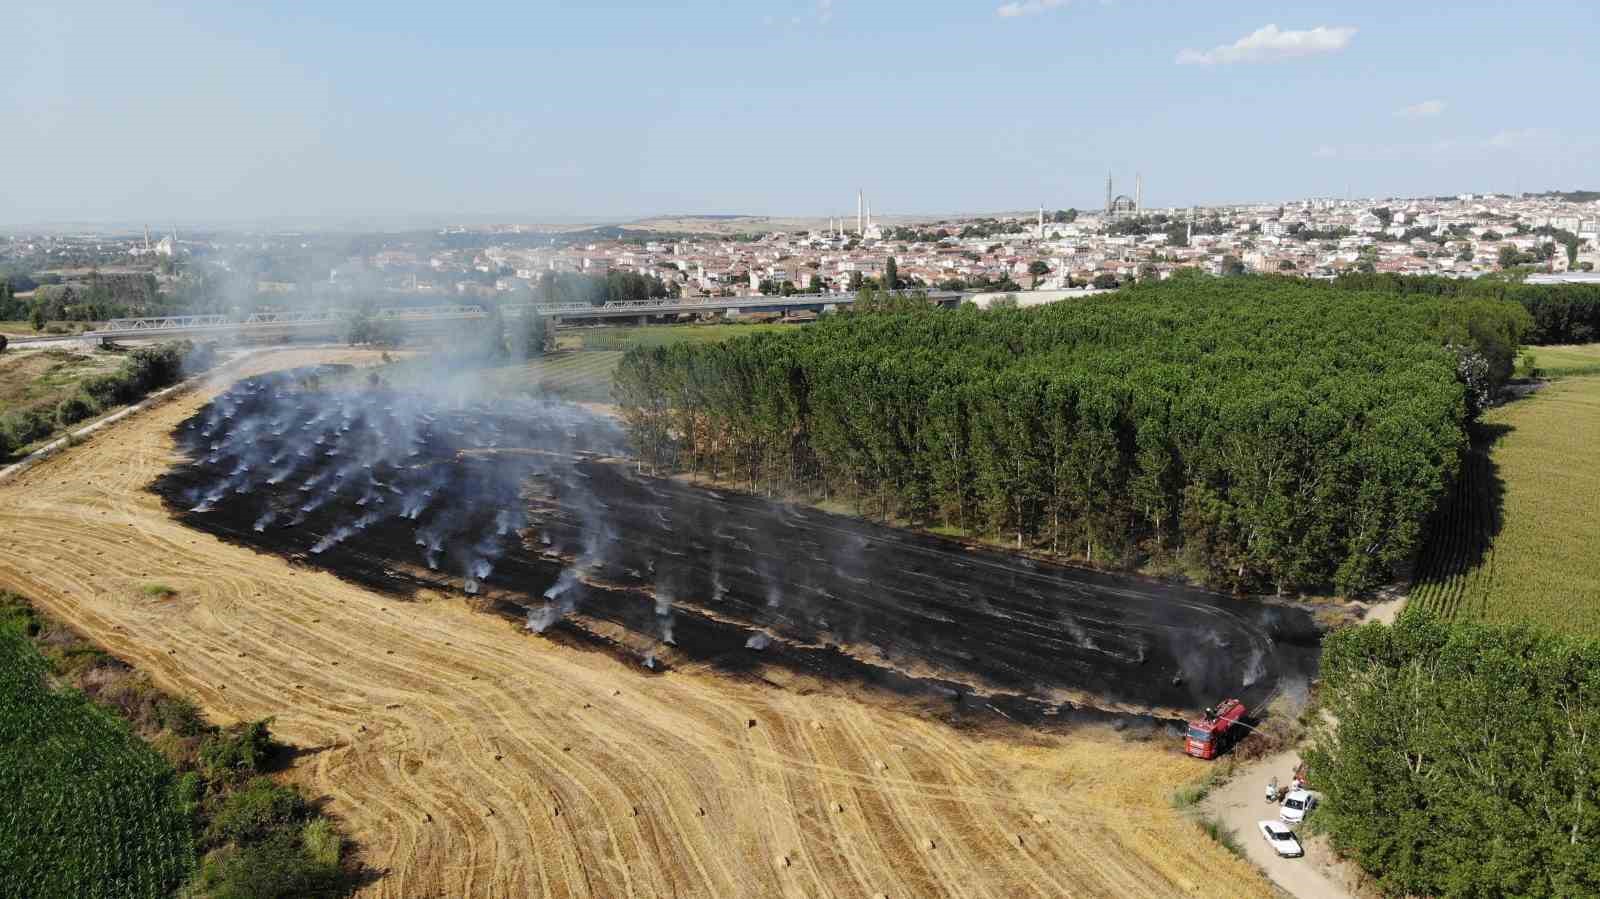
1211, 734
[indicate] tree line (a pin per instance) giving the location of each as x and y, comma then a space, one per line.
1248, 428
1464, 759
1559, 313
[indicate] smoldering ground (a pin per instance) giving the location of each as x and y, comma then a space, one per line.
526, 499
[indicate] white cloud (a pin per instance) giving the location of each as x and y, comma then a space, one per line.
1324, 152
1427, 109
1271, 44
1028, 8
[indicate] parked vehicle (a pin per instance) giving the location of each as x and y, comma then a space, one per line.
1297, 805
1281, 839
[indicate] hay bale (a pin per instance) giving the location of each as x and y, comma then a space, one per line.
749, 722
816, 725
782, 861
1040, 819
929, 844
1017, 838
700, 811
880, 765
838, 806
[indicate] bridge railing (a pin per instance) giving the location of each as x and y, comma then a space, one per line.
469, 311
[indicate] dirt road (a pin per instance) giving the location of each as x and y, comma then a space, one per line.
469, 758
1241, 802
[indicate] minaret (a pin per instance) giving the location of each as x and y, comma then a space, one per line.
869, 218
1041, 221
147, 238
1108, 192
1138, 193
861, 225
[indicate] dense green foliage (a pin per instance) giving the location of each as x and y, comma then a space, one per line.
1561, 313
1464, 761
94, 810
89, 809
145, 369
1270, 433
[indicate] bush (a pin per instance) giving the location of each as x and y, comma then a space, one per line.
276, 868
180, 716
238, 751
322, 841
254, 810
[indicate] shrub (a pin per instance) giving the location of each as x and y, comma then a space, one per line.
322, 841
158, 591
180, 716
238, 751
275, 868
253, 811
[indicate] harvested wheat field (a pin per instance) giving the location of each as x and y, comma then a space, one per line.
471, 758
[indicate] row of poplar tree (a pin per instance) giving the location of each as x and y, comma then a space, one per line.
1268, 433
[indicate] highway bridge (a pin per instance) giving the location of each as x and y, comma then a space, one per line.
324, 322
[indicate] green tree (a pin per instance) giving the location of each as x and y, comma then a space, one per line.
891, 274
1105, 281
1462, 760
37, 317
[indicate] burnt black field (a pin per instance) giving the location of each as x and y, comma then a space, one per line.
532, 506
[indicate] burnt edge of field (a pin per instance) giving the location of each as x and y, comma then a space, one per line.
621, 621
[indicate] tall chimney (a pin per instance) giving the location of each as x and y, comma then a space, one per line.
1138, 193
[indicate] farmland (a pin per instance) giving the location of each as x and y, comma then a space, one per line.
1567, 361
1520, 533
470, 757
87, 802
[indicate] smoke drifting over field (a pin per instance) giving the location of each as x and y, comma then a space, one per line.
363, 457
524, 503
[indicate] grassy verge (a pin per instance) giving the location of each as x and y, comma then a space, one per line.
621, 338
45, 392
1519, 538
117, 789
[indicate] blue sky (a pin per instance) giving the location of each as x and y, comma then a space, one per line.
526, 111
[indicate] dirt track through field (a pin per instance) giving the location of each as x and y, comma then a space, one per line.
470, 759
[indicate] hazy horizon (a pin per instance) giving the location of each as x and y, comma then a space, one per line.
200, 114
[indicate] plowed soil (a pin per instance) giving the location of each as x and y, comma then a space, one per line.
471, 758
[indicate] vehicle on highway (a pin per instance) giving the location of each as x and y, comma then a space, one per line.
1281, 839
1297, 805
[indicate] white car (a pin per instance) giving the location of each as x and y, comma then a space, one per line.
1297, 805
1281, 839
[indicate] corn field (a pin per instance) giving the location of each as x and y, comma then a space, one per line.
89, 809
1518, 539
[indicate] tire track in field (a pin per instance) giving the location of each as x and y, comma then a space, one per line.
402, 708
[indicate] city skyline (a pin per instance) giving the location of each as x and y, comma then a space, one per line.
493, 113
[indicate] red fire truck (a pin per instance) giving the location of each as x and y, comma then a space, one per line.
1211, 734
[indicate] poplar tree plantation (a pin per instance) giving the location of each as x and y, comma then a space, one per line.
1266, 433
1466, 758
